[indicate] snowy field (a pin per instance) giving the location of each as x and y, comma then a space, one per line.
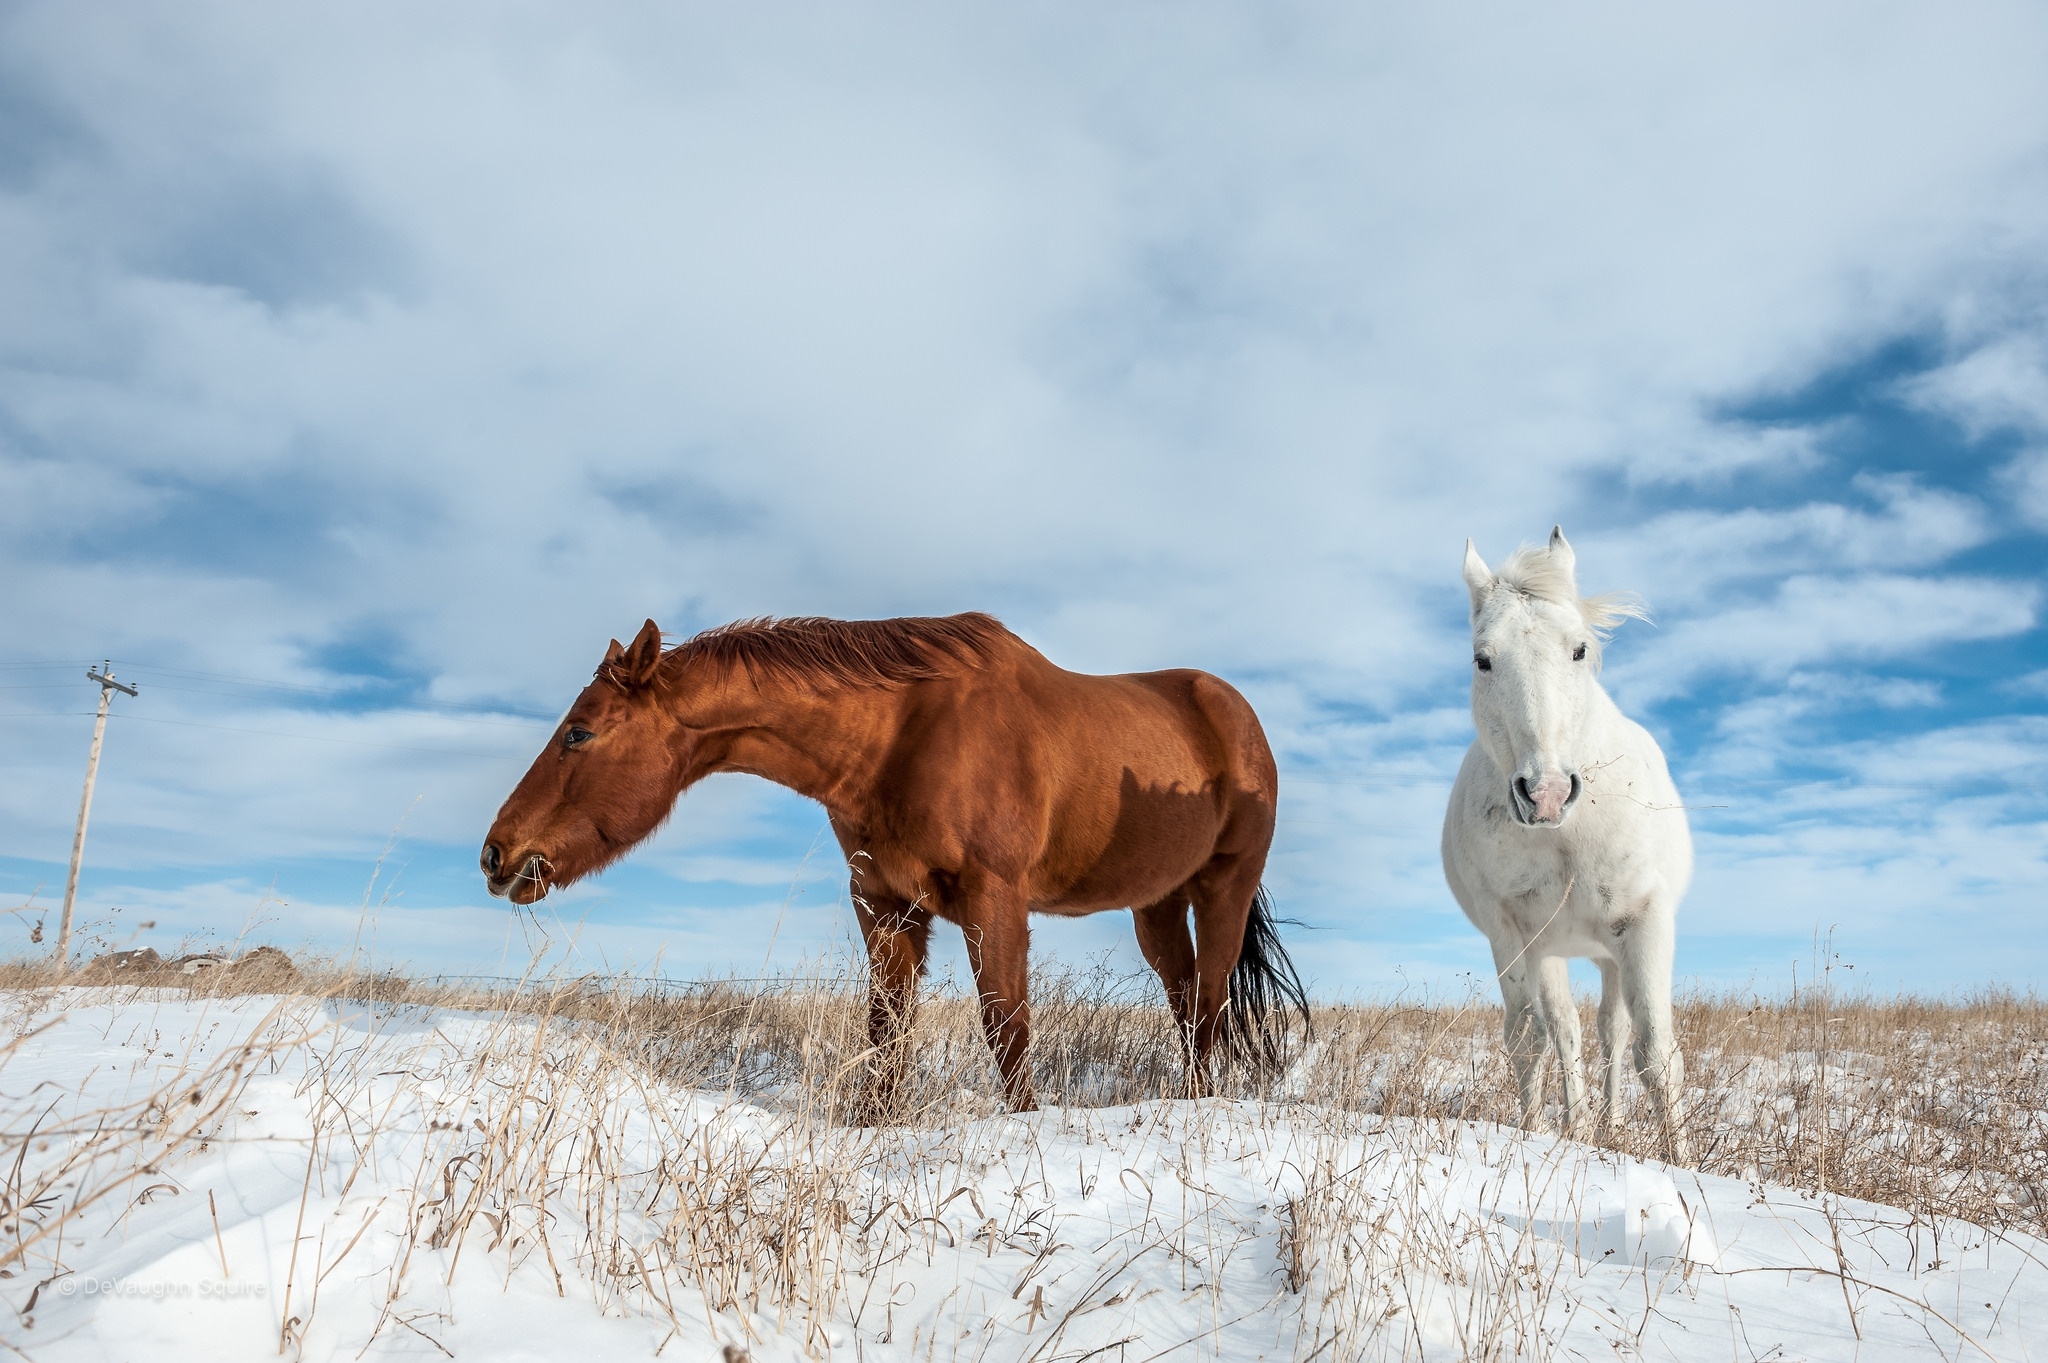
251, 1177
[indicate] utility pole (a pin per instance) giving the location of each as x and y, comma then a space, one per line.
108, 686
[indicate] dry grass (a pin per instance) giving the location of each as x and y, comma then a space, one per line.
1936, 1106
1939, 1107
573, 1151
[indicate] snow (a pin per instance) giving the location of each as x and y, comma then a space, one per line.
244, 1178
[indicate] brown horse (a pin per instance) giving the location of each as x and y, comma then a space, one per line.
966, 778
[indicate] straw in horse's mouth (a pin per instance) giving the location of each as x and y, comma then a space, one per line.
534, 870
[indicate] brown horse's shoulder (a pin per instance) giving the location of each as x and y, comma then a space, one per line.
1204, 689
1230, 718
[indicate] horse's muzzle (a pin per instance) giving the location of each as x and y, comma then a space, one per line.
1547, 801
522, 886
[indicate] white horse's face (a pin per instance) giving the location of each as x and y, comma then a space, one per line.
1534, 664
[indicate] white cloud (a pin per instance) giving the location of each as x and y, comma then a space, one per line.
1691, 559
2002, 384
1755, 739
1815, 618
2026, 480
1907, 855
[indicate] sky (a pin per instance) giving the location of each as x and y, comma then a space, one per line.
363, 370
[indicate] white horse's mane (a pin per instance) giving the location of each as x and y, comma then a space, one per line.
1534, 571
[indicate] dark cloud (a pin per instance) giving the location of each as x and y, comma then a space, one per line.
37, 133
286, 236
678, 504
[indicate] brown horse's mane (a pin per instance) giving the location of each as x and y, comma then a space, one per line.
812, 649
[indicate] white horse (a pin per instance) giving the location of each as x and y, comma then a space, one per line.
1565, 836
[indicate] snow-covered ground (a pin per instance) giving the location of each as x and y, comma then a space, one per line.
244, 1178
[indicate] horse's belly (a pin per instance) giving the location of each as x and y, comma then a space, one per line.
1139, 865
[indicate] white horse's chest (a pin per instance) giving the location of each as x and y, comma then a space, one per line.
1574, 886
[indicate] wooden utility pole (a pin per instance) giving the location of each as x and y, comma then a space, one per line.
108, 686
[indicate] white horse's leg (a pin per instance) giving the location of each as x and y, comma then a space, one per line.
1644, 956
1522, 1028
1561, 1021
1614, 1038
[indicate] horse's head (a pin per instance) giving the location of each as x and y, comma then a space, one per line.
1536, 660
605, 781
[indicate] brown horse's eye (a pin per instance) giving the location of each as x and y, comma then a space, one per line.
1579, 654
576, 738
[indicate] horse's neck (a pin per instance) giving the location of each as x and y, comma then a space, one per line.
1611, 735
1605, 723
818, 742
1602, 714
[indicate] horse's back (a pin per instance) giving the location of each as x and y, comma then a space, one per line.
1138, 779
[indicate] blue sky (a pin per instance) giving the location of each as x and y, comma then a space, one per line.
362, 373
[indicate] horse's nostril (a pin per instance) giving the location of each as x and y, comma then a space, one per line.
491, 857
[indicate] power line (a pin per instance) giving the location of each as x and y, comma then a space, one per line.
340, 692
359, 691
460, 714
311, 738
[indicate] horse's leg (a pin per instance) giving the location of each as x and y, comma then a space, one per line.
1644, 955
1521, 1027
1169, 949
1614, 1037
1222, 893
1561, 1021
898, 934
997, 927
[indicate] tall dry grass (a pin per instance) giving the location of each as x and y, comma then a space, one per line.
1936, 1106
1939, 1107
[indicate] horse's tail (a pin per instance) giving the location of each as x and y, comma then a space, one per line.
1265, 992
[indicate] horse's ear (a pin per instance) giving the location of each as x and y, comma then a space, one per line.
1478, 577
637, 664
1561, 550
609, 668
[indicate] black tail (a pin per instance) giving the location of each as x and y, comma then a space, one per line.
1264, 992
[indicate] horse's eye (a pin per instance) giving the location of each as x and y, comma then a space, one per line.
1579, 654
1485, 663
576, 738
